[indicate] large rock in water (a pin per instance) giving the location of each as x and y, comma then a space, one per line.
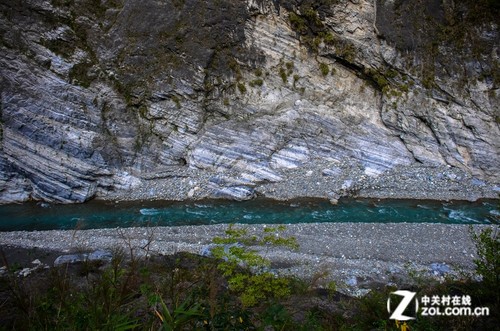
101, 96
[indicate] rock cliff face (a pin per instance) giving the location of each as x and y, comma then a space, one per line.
224, 98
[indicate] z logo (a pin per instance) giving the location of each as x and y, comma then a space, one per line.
400, 309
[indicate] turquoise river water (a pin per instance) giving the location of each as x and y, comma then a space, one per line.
99, 214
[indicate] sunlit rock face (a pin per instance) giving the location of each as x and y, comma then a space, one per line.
227, 98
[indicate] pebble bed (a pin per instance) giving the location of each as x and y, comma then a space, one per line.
354, 255
319, 179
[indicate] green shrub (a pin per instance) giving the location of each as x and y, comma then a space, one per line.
487, 243
247, 272
242, 88
329, 39
256, 82
297, 22
379, 79
428, 81
323, 67
312, 42
182, 315
391, 73
347, 51
283, 75
313, 18
235, 67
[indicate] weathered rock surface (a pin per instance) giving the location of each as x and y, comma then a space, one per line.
97, 255
189, 99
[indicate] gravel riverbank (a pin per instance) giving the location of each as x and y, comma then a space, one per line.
354, 255
319, 179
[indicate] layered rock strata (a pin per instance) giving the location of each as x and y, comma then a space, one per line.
176, 99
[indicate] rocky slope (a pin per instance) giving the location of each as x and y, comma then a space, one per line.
185, 99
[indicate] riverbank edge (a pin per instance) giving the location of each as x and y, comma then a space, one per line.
354, 255
321, 179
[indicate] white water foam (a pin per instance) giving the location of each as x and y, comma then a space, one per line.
149, 211
495, 212
197, 212
459, 215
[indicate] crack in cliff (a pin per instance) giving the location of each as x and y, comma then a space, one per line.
359, 70
415, 159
